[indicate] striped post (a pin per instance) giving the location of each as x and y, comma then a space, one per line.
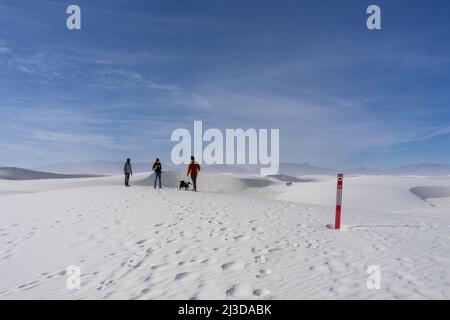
340, 183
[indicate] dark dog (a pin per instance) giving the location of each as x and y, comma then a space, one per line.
184, 185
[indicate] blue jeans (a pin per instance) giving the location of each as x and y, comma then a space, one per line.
127, 179
158, 177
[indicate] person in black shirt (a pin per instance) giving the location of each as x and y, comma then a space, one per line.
157, 168
127, 170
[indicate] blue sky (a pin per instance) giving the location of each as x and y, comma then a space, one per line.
340, 94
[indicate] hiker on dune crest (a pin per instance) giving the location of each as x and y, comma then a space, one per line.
193, 170
157, 167
128, 171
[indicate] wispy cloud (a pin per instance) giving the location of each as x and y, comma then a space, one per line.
72, 138
117, 88
119, 79
5, 50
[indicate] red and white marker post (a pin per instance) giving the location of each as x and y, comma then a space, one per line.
340, 183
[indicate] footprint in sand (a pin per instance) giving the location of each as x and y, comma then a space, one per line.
260, 259
264, 273
233, 266
157, 266
261, 293
188, 276
29, 285
242, 238
210, 261
241, 291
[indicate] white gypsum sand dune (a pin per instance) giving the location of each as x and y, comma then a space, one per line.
11, 173
377, 193
230, 241
230, 183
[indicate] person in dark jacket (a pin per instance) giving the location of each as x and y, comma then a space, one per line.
157, 167
128, 171
193, 170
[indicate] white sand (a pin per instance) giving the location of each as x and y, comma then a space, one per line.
375, 193
240, 243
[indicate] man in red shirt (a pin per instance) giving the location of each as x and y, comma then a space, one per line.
193, 170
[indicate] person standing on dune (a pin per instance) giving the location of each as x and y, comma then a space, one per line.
157, 168
193, 170
128, 171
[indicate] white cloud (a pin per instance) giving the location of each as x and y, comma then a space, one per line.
5, 50
72, 138
115, 78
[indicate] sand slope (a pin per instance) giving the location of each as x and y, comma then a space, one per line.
142, 243
11, 173
210, 182
373, 193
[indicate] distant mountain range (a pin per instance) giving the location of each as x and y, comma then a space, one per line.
302, 169
424, 169
98, 167
291, 169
